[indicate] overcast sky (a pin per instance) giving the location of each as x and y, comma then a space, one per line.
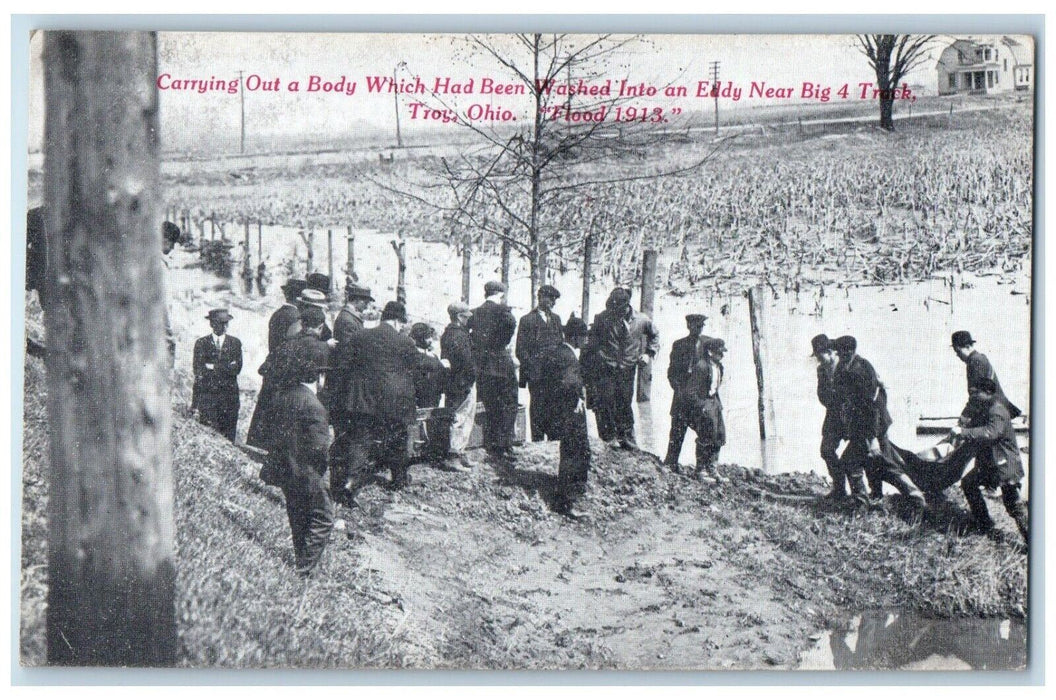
189, 118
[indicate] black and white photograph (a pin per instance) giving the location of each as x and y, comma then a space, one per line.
534, 351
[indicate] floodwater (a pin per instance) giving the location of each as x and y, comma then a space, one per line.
893, 639
903, 331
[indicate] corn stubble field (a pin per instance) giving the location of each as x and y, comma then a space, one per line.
476, 571
850, 203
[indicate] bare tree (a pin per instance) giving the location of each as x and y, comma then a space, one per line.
529, 184
111, 577
893, 57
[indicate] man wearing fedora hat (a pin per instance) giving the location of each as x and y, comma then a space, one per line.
977, 366
539, 330
683, 354
298, 457
217, 363
380, 398
283, 323
319, 299
824, 351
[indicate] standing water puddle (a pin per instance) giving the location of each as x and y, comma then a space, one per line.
893, 639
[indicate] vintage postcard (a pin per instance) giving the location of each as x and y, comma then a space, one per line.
528, 351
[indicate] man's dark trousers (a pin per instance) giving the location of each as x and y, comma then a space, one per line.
499, 396
615, 392
311, 515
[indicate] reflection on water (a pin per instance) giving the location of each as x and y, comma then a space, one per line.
892, 639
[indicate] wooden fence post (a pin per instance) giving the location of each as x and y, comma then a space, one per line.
350, 264
401, 273
645, 373
755, 301
310, 243
212, 226
260, 247
111, 572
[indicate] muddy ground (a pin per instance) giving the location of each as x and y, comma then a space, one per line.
476, 570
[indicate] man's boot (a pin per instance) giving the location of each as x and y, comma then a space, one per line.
859, 489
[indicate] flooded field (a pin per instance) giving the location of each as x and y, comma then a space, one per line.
903, 330
894, 639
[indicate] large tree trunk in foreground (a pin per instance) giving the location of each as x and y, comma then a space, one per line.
110, 529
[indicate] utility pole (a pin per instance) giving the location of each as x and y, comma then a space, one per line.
242, 113
396, 102
715, 92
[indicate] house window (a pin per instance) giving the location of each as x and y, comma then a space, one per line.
989, 78
1006, 65
953, 81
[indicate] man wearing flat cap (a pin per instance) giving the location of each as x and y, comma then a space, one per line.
824, 351
702, 405
460, 394
997, 464
538, 331
217, 363
283, 323
620, 340
380, 401
977, 366
298, 458
864, 420
683, 356
491, 328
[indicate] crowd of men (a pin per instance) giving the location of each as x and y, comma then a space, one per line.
378, 379
856, 415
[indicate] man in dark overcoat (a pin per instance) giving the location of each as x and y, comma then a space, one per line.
217, 363
538, 331
683, 356
620, 340
279, 372
864, 419
298, 455
562, 385
460, 396
997, 462
977, 366
286, 316
702, 405
319, 282
491, 328
380, 399
831, 432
